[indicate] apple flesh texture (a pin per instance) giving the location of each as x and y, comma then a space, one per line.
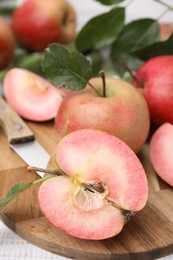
38, 23
123, 112
91, 157
161, 150
31, 96
7, 44
156, 77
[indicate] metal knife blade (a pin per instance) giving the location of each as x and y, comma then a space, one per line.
21, 139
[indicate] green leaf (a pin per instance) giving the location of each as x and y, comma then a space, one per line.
13, 192
109, 2
7, 7
66, 67
97, 62
17, 189
132, 62
31, 62
7, 11
155, 49
135, 35
100, 31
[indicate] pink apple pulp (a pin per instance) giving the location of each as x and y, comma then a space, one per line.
103, 185
161, 150
31, 96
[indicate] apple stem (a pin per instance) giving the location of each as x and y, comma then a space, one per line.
132, 74
126, 213
57, 172
102, 75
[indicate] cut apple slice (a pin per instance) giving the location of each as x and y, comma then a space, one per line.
31, 96
161, 150
103, 186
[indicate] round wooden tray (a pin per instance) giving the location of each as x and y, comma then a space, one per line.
148, 235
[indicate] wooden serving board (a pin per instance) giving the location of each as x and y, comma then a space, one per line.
148, 235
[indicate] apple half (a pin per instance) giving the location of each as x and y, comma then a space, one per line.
103, 185
31, 96
161, 150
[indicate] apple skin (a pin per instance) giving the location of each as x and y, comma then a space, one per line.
7, 43
161, 150
38, 23
31, 96
156, 82
123, 112
166, 29
91, 157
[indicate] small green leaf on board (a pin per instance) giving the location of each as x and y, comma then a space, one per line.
17, 189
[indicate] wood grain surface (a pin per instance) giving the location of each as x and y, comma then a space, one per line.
15, 129
148, 235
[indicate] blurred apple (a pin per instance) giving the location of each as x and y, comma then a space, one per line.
7, 43
166, 29
38, 23
155, 78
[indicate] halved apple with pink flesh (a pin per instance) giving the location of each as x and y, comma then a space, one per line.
30, 95
102, 186
161, 150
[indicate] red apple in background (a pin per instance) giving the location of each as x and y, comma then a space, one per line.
31, 96
102, 186
155, 78
38, 23
166, 29
123, 112
161, 151
7, 43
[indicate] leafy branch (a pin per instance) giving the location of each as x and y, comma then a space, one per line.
125, 41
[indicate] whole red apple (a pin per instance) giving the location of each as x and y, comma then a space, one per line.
38, 23
123, 112
7, 43
155, 77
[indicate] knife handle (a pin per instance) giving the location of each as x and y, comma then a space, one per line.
14, 127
